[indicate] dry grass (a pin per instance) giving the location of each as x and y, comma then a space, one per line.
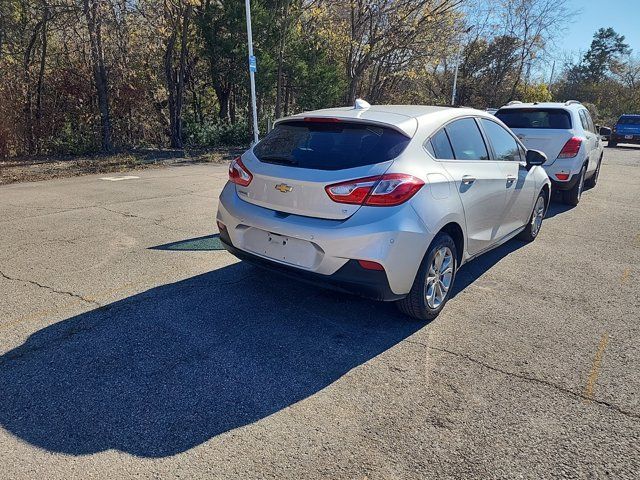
33, 169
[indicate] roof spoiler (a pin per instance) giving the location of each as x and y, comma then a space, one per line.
572, 102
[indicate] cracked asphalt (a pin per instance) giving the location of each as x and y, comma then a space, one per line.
131, 347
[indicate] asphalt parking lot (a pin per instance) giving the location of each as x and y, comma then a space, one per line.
131, 346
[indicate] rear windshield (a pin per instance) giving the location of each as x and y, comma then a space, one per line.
329, 145
553, 118
629, 120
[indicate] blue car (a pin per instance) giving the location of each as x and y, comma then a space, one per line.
626, 130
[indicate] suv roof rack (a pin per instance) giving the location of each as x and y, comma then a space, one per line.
514, 102
572, 102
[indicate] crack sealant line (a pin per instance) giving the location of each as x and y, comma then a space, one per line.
525, 378
47, 287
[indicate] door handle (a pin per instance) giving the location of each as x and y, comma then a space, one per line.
468, 179
511, 178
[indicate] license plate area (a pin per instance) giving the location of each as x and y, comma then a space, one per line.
293, 251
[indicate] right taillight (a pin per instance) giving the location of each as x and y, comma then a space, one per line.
383, 191
239, 174
571, 148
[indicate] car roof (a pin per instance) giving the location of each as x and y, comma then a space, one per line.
630, 115
543, 105
405, 118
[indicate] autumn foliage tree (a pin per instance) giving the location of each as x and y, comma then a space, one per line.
84, 76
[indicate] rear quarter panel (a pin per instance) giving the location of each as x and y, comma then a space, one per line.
437, 203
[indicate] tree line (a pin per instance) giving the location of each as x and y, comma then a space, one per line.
82, 76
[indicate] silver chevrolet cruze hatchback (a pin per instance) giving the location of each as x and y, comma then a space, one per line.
383, 201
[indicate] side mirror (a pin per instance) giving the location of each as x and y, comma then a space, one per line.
604, 132
535, 157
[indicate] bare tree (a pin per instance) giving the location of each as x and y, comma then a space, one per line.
536, 23
93, 11
178, 17
386, 35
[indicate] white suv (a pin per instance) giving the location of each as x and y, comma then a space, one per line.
567, 135
384, 201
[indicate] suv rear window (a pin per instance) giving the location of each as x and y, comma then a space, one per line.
629, 120
329, 145
552, 118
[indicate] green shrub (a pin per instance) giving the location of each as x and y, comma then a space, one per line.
70, 140
218, 134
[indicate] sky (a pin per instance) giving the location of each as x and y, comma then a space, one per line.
622, 15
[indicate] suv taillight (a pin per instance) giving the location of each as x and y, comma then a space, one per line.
239, 174
382, 191
571, 148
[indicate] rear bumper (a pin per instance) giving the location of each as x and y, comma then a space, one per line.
394, 237
619, 138
350, 278
564, 185
565, 166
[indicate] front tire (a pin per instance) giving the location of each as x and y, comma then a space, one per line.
433, 284
532, 229
573, 196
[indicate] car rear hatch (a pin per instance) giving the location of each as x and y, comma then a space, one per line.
544, 129
294, 163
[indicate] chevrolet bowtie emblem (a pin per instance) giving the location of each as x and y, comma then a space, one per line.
284, 188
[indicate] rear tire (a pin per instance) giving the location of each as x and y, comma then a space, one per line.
612, 144
572, 197
532, 229
437, 272
591, 182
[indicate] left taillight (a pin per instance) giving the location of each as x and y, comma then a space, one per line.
382, 191
571, 148
239, 174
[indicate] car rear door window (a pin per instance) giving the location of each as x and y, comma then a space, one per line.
466, 140
592, 127
551, 118
504, 145
441, 146
584, 121
329, 145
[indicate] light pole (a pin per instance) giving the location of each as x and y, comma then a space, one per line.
252, 70
455, 75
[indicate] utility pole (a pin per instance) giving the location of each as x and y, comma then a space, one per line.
455, 75
252, 72
553, 70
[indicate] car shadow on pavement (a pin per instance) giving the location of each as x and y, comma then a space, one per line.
165, 370
557, 208
471, 271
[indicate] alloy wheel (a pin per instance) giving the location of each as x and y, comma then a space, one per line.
538, 216
439, 277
